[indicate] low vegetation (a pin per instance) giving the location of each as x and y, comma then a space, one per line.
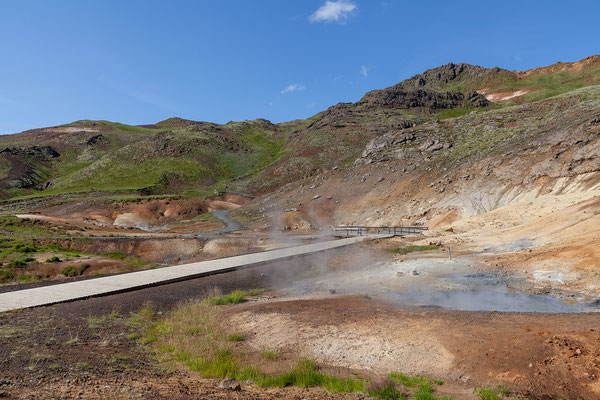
73, 270
193, 333
501, 392
237, 296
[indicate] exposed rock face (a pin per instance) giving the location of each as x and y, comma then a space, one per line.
398, 97
42, 153
444, 75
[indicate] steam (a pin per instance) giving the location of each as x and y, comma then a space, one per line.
439, 283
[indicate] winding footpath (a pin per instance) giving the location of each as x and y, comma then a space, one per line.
136, 280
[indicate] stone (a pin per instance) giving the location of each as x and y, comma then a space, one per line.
380, 179
231, 384
317, 197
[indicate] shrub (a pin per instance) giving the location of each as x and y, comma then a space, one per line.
235, 338
53, 259
5, 275
23, 248
27, 278
20, 262
74, 270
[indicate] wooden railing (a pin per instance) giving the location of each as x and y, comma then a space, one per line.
354, 230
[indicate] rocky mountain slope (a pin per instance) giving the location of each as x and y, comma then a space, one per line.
451, 124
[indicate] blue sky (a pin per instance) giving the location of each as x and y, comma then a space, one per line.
140, 62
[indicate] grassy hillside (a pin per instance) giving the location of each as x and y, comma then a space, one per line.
178, 156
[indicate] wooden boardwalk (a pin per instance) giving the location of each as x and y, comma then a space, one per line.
136, 280
358, 230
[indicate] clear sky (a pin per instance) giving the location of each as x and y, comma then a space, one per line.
139, 62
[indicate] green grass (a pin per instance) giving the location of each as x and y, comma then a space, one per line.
236, 337
21, 262
424, 389
412, 381
487, 394
31, 227
28, 278
237, 296
115, 255
5, 275
53, 259
411, 249
386, 390
305, 374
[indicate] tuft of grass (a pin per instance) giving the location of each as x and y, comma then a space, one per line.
115, 255
95, 322
269, 355
133, 336
28, 278
236, 337
83, 366
423, 385
73, 340
411, 249
149, 339
364, 296
142, 318
5, 275
412, 381
487, 394
385, 390
10, 331
235, 297
53, 259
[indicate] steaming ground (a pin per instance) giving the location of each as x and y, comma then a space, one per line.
432, 281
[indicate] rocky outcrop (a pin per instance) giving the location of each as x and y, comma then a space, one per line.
40, 153
444, 75
398, 97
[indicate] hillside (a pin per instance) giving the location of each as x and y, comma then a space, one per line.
193, 158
